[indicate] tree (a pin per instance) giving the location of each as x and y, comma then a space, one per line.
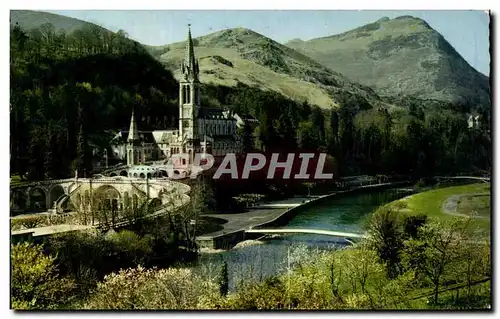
359, 265
246, 137
189, 213
307, 136
35, 282
148, 289
223, 279
386, 239
439, 245
334, 133
318, 122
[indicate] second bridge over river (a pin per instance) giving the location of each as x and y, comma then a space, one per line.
305, 231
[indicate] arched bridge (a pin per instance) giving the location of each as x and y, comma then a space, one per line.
81, 193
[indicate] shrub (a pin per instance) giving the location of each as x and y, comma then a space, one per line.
141, 288
28, 222
270, 294
34, 279
129, 246
412, 223
386, 239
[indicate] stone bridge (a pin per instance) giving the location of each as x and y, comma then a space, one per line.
77, 194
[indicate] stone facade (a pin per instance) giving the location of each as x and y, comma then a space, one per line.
200, 130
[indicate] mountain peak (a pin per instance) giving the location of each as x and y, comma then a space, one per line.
398, 56
412, 19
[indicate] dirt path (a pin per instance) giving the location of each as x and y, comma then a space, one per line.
450, 205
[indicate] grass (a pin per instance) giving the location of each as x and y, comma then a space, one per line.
479, 203
260, 62
431, 202
250, 73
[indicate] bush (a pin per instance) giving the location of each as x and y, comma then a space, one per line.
412, 223
28, 222
270, 295
141, 288
129, 246
99, 253
34, 279
387, 239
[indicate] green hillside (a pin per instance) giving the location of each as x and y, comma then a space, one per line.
401, 56
34, 19
241, 55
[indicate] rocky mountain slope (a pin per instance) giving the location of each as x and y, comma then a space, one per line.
401, 56
242, 55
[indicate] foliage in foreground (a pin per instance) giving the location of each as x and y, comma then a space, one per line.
438, 266
142, 288
34, 279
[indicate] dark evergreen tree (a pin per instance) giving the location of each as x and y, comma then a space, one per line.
223, 279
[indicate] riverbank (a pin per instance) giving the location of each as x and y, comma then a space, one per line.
234, 230
449, 202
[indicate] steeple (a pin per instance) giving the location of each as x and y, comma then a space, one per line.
189, 66
133, 134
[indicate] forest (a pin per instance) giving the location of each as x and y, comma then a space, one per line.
71, 92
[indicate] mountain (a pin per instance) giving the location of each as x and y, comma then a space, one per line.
242, 55
34, 19
401, 56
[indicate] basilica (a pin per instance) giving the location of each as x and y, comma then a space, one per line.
200, 129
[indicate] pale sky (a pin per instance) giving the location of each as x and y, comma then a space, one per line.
467, 31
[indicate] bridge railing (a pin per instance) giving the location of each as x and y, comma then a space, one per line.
40, 183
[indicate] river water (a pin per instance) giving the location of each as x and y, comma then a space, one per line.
347, 213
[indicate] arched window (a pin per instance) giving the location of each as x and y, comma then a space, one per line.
188, 94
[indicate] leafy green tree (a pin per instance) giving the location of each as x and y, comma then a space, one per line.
318, 122
437, 248
386, 239
35, 283
150, 289
246, 137
307, 136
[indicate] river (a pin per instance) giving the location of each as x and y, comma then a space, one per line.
347, 213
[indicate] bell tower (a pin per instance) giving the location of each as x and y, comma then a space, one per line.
189, 96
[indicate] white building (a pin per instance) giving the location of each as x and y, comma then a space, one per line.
473, 121
211, 130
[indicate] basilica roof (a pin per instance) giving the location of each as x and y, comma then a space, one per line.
214, 113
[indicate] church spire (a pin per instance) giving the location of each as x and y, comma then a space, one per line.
133, 134
189, 66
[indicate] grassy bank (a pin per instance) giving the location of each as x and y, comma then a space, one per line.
472, 197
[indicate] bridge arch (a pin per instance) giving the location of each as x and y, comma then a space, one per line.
107, 196
18, 199
154, 203
126, 200
37, 198
124, 173
113, 174
55, 192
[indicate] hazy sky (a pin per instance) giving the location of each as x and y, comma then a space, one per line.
467, 31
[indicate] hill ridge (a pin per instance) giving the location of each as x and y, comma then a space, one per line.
404, 55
